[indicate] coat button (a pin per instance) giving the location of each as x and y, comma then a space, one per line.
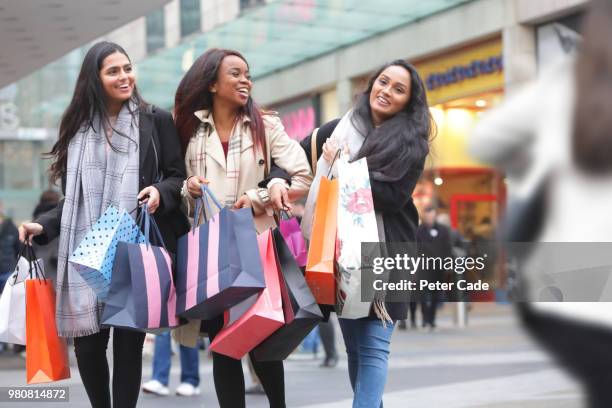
261, 162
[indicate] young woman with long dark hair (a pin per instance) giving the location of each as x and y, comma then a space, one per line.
229, 144
390, 125
113, 149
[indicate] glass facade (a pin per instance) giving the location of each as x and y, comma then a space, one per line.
155, 30
273, 35
190, 17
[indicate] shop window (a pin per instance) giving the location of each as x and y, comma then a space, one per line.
190, 17
246, 4
155, 30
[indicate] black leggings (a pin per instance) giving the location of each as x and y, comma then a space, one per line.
583, 349
229, 377
127, 367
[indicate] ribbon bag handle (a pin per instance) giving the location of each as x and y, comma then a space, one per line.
38, 274
331, 166
146, 224
206, 195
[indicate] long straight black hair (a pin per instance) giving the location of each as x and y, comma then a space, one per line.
89, 101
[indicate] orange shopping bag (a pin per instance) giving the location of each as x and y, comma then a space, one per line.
320, 265
46, 352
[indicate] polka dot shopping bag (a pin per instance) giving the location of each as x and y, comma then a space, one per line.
93, 257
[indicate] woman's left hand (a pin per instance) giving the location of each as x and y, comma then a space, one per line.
279, 197
243, 202
150, 195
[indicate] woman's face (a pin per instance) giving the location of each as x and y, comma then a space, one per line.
117, 78
390, 93
233, 85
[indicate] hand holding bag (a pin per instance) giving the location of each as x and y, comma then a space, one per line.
218, 262
142, 294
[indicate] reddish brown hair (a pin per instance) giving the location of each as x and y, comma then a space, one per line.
193, 94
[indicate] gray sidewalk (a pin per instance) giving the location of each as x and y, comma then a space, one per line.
490, 363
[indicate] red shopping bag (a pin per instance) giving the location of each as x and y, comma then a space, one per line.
47, 353
321, 252
265, 314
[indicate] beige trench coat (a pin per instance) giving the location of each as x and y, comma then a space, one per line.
205, 157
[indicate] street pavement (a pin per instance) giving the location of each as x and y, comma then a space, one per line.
490, 363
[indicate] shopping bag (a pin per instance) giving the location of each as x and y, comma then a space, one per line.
218, 262
320, 265
302, 313
292, 233
13, 302
262, 318
47, 353
142, 294
93, 257
356, 224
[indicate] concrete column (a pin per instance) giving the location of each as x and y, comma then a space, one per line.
519, 52
172, 23
344, 93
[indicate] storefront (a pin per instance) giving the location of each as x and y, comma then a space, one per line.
299, 116
461, 85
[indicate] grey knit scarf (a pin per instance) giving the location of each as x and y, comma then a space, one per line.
96, 177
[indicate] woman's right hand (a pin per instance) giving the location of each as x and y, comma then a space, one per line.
194, 185
29, 230
330, 149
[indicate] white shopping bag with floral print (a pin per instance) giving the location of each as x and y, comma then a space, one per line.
356, 224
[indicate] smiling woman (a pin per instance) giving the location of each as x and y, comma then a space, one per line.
229, 143
117, 76
112, 149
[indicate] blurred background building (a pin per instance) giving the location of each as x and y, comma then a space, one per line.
308, 60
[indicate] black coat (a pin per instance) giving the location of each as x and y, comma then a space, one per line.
392, 199
9, 245
160, 158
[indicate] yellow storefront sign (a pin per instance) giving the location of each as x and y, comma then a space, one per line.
463, 72
459, 76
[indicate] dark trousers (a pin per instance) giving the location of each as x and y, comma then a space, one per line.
583, 349
127, 367
328, 338
429, 307
229, 377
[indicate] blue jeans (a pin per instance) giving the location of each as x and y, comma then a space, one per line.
190, 361
311, 342
367, 347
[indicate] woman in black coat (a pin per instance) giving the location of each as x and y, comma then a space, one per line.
113, 149
390, 125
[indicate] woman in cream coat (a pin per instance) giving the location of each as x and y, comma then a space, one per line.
229, 145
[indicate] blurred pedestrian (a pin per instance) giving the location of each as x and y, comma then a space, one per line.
434, 241
555, 135
113, 149
162, 361
229, 144
9, 247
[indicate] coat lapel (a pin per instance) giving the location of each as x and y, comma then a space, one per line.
146, 134
215, 150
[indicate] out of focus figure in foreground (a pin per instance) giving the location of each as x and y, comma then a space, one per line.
557, 134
